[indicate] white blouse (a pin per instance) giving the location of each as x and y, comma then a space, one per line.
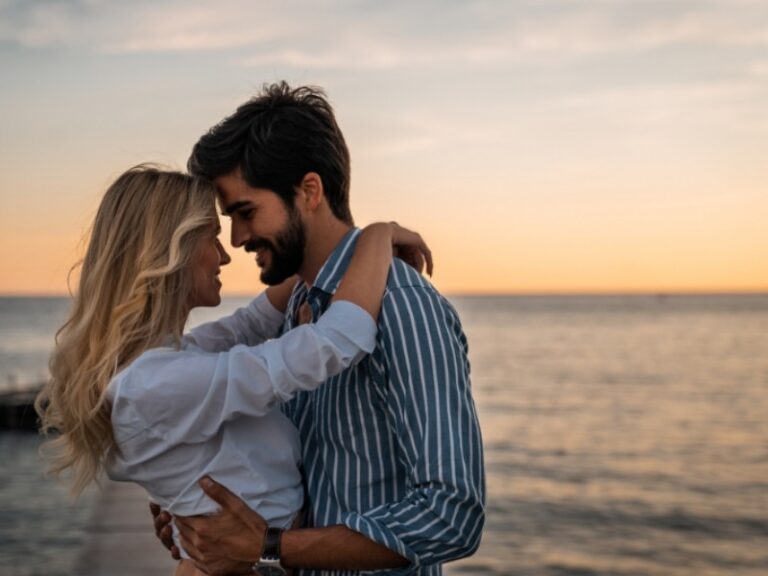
209, 408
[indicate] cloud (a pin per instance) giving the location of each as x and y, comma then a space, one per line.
349, 34
345, 54
36, 24
758, 69
718, 107
140, 26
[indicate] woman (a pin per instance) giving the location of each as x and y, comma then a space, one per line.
130, 395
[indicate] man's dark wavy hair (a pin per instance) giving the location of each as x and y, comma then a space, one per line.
276, 138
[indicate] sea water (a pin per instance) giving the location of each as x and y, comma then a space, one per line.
624, 435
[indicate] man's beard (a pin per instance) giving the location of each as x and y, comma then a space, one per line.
287, 250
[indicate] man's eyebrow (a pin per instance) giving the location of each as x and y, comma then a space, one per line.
229, 209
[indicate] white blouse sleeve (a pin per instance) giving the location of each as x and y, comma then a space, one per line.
186, 395
250, 325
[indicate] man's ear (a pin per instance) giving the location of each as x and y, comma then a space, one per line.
310, 191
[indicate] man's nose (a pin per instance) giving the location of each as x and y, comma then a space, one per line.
239, 234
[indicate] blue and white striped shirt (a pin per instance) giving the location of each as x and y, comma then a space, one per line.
391, 447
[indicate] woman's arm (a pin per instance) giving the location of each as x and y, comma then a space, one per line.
192, 393
363, 284
366, 277
187, 395
250, 325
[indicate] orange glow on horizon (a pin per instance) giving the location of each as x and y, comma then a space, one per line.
625, 162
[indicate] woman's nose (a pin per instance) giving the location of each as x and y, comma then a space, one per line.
224, 258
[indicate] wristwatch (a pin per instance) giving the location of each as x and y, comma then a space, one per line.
269, 563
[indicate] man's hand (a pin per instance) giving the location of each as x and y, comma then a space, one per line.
228, 542
163, 530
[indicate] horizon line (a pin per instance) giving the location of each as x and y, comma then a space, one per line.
501, 293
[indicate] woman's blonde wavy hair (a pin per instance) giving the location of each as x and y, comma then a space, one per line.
133, 292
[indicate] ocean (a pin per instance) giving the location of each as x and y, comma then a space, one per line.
624, 435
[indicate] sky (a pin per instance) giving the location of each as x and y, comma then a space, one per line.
539, 146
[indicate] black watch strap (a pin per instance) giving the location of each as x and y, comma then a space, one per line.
271, 550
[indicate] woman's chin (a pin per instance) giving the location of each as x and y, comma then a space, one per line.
211, 302
215, 299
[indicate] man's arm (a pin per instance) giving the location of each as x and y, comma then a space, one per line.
422, 354
231, 541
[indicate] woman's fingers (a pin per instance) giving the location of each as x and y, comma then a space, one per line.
418, 260
428, 257
412, 248
304, 314
411, 256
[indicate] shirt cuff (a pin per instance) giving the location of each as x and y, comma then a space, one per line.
350, 320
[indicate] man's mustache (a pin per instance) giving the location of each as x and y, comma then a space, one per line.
258, 244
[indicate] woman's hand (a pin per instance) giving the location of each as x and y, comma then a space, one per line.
410, 247
365, 280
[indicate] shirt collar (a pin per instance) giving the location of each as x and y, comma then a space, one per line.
330, 274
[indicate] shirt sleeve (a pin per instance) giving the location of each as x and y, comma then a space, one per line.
250, 325
440, 516
187, 395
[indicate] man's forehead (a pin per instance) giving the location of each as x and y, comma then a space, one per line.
231, 188
230, 180
228, 208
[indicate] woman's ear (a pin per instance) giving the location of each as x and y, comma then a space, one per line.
311, 191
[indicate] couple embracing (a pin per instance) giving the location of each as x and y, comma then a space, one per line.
328, 426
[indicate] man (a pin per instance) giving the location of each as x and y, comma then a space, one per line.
391, 448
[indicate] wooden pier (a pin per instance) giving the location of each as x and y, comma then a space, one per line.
17, 410
120, 539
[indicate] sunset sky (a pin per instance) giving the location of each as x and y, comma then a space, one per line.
558, 146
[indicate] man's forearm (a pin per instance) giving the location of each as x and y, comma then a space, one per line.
231, 541
335, 548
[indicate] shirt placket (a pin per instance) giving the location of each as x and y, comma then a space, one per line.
318, 301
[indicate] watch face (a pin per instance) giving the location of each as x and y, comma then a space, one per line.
270, 571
